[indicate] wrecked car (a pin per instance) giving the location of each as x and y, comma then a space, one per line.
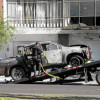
21, 65
57, 53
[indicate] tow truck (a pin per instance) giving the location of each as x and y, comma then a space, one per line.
21, 67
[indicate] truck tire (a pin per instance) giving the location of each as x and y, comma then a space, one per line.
17, 73
76, 60
98, 77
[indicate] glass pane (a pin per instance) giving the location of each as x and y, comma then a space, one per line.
98, 8
86, 8
74, 9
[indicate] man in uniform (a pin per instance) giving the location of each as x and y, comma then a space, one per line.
37, 58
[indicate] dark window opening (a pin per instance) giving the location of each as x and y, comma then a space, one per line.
74, 20
98, 21
88, 21
45, 47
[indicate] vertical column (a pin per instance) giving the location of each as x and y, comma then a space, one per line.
5, 9
63, 15
95, 11
79, 12
16, 20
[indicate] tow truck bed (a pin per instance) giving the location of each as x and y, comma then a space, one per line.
60, 72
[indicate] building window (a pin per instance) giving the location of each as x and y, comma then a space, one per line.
87, 13
53, 13
82, 12
35, 13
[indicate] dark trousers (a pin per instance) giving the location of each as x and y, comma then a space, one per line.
36, 67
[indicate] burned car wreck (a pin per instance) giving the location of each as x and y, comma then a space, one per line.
57, 53
22, 65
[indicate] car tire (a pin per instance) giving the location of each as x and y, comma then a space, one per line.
76, 60
98, 77
80, 61
17, 73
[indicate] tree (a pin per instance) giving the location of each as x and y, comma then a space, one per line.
6, 32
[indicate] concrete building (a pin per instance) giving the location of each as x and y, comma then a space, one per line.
63, 21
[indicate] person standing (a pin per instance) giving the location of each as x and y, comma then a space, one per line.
36, 51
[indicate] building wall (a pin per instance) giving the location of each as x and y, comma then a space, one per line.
63, 39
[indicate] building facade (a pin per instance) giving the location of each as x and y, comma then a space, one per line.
53, 13
63, 21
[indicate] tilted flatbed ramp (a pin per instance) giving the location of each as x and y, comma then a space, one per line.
59, 72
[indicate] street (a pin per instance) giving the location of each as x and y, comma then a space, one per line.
51, 90
80, 89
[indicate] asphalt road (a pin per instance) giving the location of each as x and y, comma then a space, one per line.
80, 89
71, 89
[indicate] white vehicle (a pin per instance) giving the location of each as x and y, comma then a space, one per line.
73, 55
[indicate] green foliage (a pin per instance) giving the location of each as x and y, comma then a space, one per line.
6, 32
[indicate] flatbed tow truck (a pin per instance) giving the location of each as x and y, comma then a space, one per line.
64, 72
20, 68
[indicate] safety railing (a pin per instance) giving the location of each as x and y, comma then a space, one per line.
38, 23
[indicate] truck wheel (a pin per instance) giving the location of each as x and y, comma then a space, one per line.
98, 77
17, 73
76, 60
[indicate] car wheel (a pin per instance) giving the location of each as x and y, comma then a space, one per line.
76, 60
98, 77
17, 73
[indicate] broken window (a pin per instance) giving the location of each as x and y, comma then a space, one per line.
83, 12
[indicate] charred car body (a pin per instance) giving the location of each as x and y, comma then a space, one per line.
56, 53
22, 65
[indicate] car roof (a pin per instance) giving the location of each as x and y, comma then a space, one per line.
31, 44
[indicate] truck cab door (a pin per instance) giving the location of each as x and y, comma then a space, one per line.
53, 53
